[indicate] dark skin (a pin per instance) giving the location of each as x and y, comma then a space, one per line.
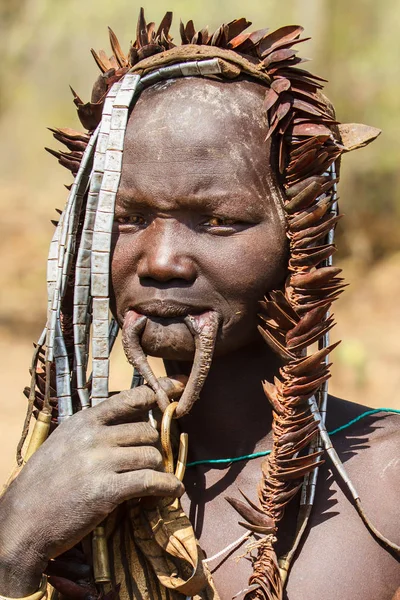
198, 226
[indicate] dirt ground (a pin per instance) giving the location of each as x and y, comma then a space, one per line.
366, 364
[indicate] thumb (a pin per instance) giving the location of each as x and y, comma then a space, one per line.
132, 405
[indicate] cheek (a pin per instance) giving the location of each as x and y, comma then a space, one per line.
252, 263
256, 266
123, 266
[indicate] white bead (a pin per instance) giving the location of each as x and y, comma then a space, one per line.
52, 270
79, 314
101, 241
81, 294
84, 257
99, 386
99, 161
108, 104
105, 124
101, 368
100, 328
93, 196
90, 218
114, 89
116, 139
102, 143
95, 182
53, 250
123, 99
130, 81
119, 118
79, 333
110, 181
96, 401
104, 222
99, 287
113, 161
82, 276
100, 262
100, 308
100, 348
106, 202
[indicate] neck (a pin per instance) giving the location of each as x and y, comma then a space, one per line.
232, 416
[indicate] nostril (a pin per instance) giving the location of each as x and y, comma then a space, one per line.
173, 282
159, 266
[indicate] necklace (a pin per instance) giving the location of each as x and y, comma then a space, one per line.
221, 461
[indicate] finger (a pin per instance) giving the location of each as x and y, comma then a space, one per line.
127, 406
173, 386
132, 405
140, 433
137, 484
135, 458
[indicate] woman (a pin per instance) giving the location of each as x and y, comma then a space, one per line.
206, 182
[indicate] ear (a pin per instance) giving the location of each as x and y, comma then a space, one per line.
356, 135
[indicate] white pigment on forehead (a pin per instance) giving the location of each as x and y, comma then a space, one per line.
200, 129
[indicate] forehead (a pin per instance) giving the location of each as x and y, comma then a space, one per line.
194, 136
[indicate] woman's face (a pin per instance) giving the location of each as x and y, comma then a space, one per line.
198, 221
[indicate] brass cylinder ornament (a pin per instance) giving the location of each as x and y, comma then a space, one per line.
39, 434
101, 563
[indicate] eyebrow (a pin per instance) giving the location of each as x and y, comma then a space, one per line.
201, 203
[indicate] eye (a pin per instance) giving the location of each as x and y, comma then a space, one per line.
224, 226
130, 220
219, 222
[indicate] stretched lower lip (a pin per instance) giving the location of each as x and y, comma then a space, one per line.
162, 310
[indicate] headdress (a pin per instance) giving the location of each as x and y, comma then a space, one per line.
308, 142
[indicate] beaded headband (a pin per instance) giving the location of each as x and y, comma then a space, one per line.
309, 143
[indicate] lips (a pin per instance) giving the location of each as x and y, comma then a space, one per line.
166, 309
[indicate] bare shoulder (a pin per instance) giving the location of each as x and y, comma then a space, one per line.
339, 555
369, 447
368, 433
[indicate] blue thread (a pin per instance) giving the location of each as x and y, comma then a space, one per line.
365, 414
219, 461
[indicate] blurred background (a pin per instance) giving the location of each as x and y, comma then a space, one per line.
45, 45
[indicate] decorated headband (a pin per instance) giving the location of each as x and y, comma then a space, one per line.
309, 143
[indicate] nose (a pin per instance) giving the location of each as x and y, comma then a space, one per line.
165, 255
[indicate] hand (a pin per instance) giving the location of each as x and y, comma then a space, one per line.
94, 461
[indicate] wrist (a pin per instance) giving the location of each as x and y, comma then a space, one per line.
22, 556
39, 593
20, 576
21, 564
